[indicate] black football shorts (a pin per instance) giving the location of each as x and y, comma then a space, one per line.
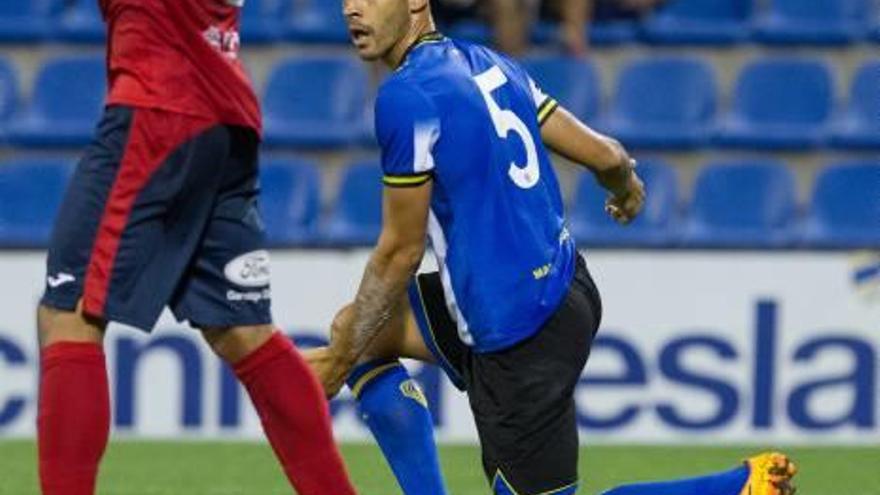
522, 397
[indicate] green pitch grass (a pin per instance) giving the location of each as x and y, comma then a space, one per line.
201, 468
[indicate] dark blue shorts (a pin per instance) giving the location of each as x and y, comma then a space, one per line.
162, 211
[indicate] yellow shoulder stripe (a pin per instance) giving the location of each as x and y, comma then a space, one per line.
547, 108
406, 180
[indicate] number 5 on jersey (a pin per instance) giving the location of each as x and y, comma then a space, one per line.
506, 121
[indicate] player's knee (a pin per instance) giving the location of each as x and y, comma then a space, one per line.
233, 344
55, 325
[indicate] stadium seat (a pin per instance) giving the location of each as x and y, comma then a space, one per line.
66, 104
859, 126
655, 227
709, 22
738, 204
318, 21
32, 190
8, 94
356, 218
316, 102
81, 22
845, 207
263, 21
822, 22
572, 81
780, 103
663, 103
25, 20
290, 200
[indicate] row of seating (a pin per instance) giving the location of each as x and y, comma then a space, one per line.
735, 204
659, 103
831, 22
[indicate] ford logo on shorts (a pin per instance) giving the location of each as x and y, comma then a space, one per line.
249, 270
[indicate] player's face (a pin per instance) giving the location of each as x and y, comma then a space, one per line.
376, 26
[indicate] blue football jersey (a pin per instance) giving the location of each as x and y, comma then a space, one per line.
469, 119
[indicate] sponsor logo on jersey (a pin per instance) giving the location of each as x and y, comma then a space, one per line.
225, 42
249, 270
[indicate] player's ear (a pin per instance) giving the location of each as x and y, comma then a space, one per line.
419, 6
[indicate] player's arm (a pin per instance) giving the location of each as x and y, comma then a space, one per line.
391, 266
406, 128
563, 133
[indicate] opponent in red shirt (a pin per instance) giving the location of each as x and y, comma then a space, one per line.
162, 212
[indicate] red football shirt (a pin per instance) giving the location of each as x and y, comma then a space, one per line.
180, 56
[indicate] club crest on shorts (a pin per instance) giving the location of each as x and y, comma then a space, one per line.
249, 270
411, 389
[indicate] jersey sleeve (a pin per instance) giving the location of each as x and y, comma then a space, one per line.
543, 103
407, 128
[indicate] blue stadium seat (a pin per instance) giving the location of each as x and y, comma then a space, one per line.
8, 94
290, 201
748, 203
709, 22
316, 102
664, 103
25, 20
859, 126
356, 218
32, 190
655, 227
263, 21
81, 22
780, 103
823, 22
66, 104
845, 208
572, 81
318, 21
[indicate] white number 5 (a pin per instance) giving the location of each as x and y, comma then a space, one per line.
505, 121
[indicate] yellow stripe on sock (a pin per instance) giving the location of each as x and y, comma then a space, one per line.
373, 373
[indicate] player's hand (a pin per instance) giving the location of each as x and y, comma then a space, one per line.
329, 364
623, 208
330, 371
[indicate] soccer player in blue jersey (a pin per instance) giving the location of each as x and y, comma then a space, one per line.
512, 311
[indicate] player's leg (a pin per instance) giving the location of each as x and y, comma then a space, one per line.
523, 399
290, 403
73, 419
132, 218
393, 406
765, 474
226, 293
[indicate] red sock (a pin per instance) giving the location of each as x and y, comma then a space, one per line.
73, 421
295, 416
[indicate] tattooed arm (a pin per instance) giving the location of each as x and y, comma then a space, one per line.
394, 261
